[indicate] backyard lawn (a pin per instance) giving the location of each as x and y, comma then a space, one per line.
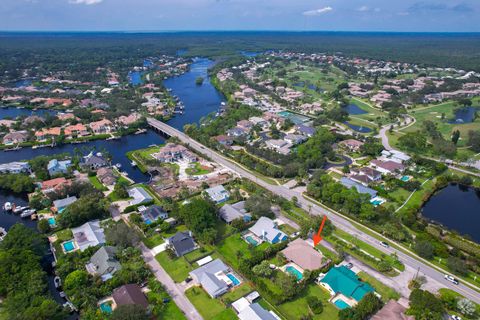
209, 308
177, 268
234, 247
97, 184
197, 170
386, 292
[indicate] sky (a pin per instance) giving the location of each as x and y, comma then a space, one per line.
198, 15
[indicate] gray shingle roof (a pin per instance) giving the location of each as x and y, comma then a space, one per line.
361, 189
205, 275
104, 262
182, 243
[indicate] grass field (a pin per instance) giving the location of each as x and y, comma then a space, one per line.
177, 268
233, 247
386, 292
197, 170
209, 308
97, 184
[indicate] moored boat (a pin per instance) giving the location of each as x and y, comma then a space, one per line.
7, 206
27, 213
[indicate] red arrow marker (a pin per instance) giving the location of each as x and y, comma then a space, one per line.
317, 237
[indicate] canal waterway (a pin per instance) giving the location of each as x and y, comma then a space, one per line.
457, 208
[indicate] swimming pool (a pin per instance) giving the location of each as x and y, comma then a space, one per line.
295, 272
51, 221
106, 307
68, 246
251, 241
341, 304
405, 178
234, 279
376, 202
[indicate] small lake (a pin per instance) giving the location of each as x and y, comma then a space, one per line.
465, 115
356, 128
12, 113
310, 86
353, 109
457, 208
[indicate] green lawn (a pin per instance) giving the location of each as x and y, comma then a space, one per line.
386, 292
197, 170
153, 241
97, 184
242, 290
168, 310
177, 268
209, 308
64, 235
298, 308
233, 247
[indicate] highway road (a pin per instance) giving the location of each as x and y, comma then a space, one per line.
309, 206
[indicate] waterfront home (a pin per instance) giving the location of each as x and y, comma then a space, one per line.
53, 185
152, 214
102, 126
266, 229
218, 194
229, 213
50, 133
139, 196
392, 310
7, 123
77, 130
31, 119
15, 167
174, 152
181, 243
303, 255
351, 144
103, 263
305, 130
66, 116
387, 167
55, 167
349, 183
15, 137
128, 120
93, 161
106, 176
89, 234
215, 278
255, 311
129, 294
344, 286
61, 204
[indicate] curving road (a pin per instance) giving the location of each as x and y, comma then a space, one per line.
339, 221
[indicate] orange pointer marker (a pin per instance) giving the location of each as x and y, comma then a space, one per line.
317, 237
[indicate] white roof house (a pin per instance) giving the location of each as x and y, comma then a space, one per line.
218, 194
88, 235
139, 196
266, 229
256, 312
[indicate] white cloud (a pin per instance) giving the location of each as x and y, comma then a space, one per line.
317, 12
87, 2
363, 9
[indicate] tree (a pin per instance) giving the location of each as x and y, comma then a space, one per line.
287, 283
129, 312
455, 136
466, 307
119, 234
424, 249
424, 305
88, 207
43, 226
457, 265
200, 216
263, 269
315, 304
120, 189
259, 206
413, 141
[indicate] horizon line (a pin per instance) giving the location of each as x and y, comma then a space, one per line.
236, 30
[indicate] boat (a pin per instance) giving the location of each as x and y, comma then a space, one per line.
13, 149
118, 165
140, 131
3, 233
19, 209
27, 213
34, 147
7, 206
133, 163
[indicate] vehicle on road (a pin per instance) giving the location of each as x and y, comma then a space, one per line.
451, 279
384, 244
62, 294
454, 317
349, 265
57, 281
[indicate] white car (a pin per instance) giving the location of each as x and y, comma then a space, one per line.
62, 294
70, 306
451, 279
454, 317
384, 244
57, 281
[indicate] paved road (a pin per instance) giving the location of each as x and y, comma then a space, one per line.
173, 290
309, 206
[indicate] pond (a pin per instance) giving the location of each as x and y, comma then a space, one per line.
310, 86
353, 109
465, 115
360, 129
457, 208
12, 113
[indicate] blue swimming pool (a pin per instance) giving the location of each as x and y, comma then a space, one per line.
51, 221
234, 279
341, 304
106, 307
68, 246
251, 241
376, 202
295, 272
405, 178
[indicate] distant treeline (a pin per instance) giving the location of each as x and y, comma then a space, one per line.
77, 50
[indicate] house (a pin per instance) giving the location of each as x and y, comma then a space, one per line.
61, 204
351, 144
45, 134
235, 211
153, 213
237, 132
305, 130
139, 196
371, 173
213, 278
65, 116
266, 229
392, 310
103, 263
15, 137
128, 120
257, 121
93, 161
55, 167
255, 311
54, 185
387, 167
174, 152
277, 144
294, 138
245, 124
88, 235
349, 183
129, 294
78, 130
101, 126
303, 254
343, 283
218, 194
15, 167
224, 140
106, 176
395, 156
181, 243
